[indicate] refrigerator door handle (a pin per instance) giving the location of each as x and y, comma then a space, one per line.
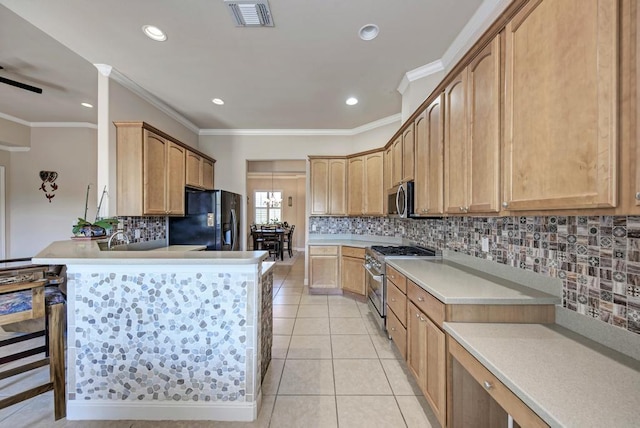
234, 230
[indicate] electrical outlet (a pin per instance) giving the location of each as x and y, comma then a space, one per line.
485, 244
137, 234
313, 228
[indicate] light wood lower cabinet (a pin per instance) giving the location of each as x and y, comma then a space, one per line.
352, 270
426, 358
324, 268
477, 395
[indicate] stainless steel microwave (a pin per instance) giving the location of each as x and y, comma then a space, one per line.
400, 200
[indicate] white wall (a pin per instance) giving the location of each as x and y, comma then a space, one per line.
418, 91
374, 138
33, 222
14, 134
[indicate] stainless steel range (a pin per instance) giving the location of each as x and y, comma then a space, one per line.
375, 272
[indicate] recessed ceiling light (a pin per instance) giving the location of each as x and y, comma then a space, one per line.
352, 101
217, 101
369, 32
154, 33
87, 105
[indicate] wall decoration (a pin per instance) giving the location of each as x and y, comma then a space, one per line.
48, 185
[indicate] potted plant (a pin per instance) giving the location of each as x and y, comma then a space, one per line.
98, 228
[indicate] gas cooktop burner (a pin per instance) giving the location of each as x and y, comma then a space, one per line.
403, 251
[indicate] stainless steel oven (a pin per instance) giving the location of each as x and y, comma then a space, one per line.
400, 200
376, 291
375, 274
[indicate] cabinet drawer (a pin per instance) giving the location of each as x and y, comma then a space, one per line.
428, 304
397, 301
398, 279
353, 252
397, 332
319, 250
521, 413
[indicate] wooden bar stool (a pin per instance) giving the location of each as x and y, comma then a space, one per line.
26, 300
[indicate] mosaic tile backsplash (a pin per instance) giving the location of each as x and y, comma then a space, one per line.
597, 257
161, 336
150, 228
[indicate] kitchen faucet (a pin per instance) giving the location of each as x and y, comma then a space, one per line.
116, 233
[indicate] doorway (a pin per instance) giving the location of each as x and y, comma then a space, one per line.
276, 192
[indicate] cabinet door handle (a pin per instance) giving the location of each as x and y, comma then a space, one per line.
420, 299
505, 204
487, 385
417, 315
393, 329
421, 319
393, 300
638, 196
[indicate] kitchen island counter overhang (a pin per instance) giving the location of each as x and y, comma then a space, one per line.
162, 335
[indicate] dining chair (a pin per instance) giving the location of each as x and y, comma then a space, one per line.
25, 296
289, 240
271, 243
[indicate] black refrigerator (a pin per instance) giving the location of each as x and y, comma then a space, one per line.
212, 218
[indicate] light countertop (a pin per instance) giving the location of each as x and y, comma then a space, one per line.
347, 242
454, 284
88, 253
547, 365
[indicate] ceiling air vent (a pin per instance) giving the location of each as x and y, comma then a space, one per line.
250, 13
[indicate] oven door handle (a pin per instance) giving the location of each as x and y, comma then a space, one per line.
377, 278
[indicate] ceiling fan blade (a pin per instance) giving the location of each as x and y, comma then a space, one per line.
20, 85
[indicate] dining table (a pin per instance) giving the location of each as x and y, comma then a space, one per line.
280, 231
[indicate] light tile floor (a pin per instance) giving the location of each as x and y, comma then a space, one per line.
331, 367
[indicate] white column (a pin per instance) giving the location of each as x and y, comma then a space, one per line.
103, 176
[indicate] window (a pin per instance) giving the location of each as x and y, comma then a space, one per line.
268, 207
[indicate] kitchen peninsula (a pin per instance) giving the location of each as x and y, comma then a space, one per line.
162, 335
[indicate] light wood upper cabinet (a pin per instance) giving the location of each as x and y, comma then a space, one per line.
338, 186
319, 171
207, 174
328, 186
154, 166
396, 168
356, 185
194, 170
150, 172
483, 98
374, 189
175, 179
455, 145
199, 171
561, 105
472, 136
365, 179
429, 160
408, 151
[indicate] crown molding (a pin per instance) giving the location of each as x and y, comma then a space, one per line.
64, 125
303, 132
15, 119
486, 14
14, 148
48, 124
419, 73
151, 99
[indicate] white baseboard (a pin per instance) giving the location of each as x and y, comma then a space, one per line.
162, 410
